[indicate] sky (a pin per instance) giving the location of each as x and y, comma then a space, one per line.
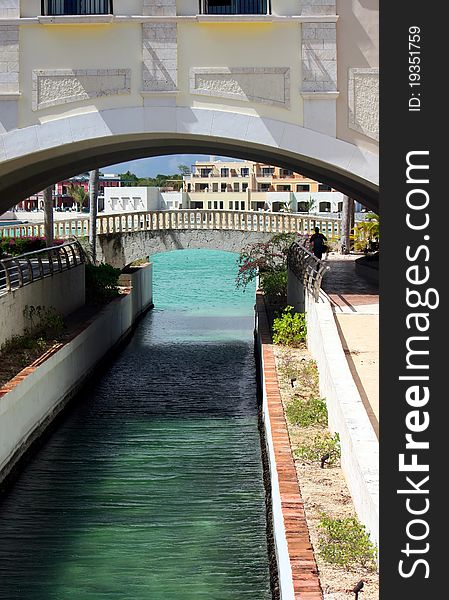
166, 165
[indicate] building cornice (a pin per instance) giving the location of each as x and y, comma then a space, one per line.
118, 19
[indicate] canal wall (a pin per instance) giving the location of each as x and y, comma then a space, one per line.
31, 401
63, 291
347, 414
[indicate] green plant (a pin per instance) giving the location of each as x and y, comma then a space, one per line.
323, 444
78, 194
101, 282
290, 329
345, 542
366, 233
307, 412
266, 257
43, 320
274, 284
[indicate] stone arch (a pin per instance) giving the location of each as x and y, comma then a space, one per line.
121, 249
34, 157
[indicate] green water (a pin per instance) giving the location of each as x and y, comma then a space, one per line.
152, 486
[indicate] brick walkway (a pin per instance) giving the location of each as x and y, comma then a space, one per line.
306, 583
355, 303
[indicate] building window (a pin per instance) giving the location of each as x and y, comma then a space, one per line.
224, 172
286, 173
242, 205
215, 187
267, 171
231, 205
205, 172
303, 187
236, 187
221, 204
234, 7
323, 187
244, 187
77, 7
244, 171
209, 205
223, 187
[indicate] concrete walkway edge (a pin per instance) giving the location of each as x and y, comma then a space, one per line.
347, 413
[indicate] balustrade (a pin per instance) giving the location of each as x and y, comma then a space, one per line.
182, 219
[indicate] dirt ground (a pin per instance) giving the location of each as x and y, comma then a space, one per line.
323, 491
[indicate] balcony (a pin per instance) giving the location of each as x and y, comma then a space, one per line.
55, 8
235, 7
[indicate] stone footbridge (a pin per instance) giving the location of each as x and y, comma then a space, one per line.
126, 237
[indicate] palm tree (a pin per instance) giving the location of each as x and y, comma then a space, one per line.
367, 232
78, 194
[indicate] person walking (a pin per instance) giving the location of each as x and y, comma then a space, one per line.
317, 243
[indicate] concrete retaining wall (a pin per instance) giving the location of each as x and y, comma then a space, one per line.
64, 291
31, 401
347, 415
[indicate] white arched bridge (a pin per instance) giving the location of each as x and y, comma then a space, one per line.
125, 237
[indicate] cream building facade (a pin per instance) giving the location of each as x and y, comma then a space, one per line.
248, 185
95, 82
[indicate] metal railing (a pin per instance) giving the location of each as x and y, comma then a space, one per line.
164, 220
307, 268
76, 7
18, 271
235, 7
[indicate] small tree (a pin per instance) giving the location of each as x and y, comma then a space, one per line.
267, 257
184, 170
78, 194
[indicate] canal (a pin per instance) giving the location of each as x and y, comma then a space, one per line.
152, 486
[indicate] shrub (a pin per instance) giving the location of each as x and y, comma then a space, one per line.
45, 321
345, 542
290, 329
16, 246
322, 445
305, 372
307, 412
274, 284
101, 282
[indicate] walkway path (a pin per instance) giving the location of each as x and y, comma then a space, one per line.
355, 302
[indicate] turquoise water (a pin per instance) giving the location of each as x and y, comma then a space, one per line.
152, 487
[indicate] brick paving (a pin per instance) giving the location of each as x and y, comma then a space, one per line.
306, 582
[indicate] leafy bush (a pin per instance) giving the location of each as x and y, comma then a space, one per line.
101, 282
274, 283
43, 320
323, 444
266, 257
290, 329
16, 246
307, 412
345, 542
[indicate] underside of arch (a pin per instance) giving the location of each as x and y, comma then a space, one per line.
337, 163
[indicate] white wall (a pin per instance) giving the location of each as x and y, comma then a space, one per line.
333, 197
65, 292
131, 199
347, 415
33, 402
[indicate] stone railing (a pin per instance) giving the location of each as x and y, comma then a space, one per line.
182, 219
